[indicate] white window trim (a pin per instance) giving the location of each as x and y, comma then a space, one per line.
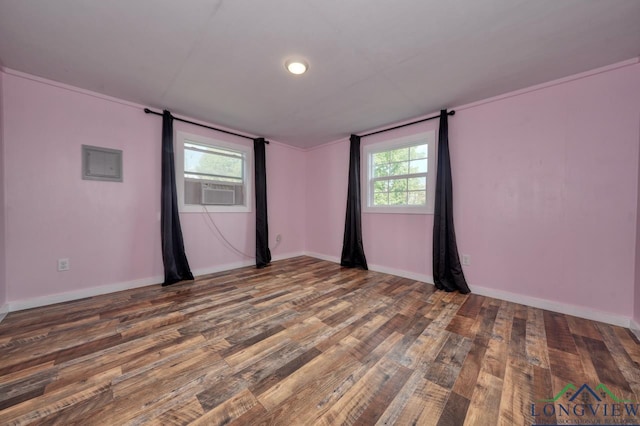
178, 148
367, 191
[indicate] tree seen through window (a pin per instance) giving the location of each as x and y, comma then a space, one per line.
400, 176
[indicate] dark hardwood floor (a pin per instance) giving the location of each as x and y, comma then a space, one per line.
307, 342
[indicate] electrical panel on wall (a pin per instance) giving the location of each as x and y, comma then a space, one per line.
101, 163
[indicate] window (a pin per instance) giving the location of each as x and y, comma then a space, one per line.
212, 174
400, 175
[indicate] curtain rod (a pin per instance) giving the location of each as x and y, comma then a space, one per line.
452, 112
148, 111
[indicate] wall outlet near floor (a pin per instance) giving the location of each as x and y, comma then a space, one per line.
63, 264
278, 238
466, 260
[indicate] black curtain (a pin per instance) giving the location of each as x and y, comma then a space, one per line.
352, 249
447, 271
263, 254
176, 267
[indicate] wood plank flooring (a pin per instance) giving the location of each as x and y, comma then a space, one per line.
305, 342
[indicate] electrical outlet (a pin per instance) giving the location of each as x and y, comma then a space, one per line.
278, 238
466, 260
63, 265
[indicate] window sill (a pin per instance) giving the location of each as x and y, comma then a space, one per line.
396, 210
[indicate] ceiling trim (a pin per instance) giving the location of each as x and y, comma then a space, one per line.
552, 83
53, 83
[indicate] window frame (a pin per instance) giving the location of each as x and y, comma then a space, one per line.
247, 151
368, 179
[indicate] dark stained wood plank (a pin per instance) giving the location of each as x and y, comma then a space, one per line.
471, 307
583, 327
455, 411
566, 366
239, 346
284, 371
384, 396
605, 365
558, 333
462, 326
446, 367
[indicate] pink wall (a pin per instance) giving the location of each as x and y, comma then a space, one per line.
110, 231
327, 173
545, 184
546, 191
3, 282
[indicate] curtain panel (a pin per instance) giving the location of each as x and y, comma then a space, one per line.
447, 270
176, 266
352, 249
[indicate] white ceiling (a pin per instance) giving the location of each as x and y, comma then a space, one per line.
372, 62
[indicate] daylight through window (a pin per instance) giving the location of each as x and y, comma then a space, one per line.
212, 174
398, 175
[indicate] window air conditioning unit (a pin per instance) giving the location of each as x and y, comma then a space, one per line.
217, 194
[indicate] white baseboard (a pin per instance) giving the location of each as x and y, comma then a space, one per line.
321, 256
222, 268
635, 328
400, 273
550, 305
241, 264
36, 302
288, 255
4, 310
378, 268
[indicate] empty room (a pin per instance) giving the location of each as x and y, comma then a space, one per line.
306, 212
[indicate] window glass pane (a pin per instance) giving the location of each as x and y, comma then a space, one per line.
211, 149
381, 170
212, 163
381, 157
396, 198
417, 183
401, 154
381, 186
418, 166
419, 151
398, 185
417, 198
381, 199
396, 169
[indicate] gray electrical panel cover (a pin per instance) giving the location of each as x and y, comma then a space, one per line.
101, 163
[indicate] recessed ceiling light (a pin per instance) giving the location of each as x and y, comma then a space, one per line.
296, 66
